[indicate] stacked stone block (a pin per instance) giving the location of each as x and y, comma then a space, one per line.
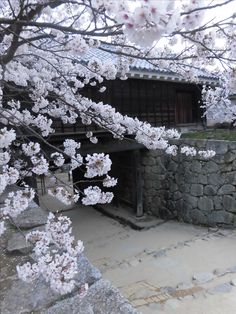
191, 189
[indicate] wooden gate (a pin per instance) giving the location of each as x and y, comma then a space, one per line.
184, 108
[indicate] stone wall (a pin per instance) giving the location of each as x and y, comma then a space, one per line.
190, 189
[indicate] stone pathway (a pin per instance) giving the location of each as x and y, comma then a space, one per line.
172, 268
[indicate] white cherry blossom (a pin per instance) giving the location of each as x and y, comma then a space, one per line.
31, 149
97, 165
58, 159
109, 181
4, 158
57, 265
6, 137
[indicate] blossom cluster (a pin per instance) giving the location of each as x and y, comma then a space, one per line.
6, 137
194, 17
15, 203
63, 195
9, 176
93, 139
56, 255
149, 21
188, 151
192, 152
4, 158
218, 106
94, 195
97, 165
109, 181
31, 149
58, 159
172, 150
206, 154
40, 165
70, 147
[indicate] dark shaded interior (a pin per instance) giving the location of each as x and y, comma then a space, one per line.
157, 102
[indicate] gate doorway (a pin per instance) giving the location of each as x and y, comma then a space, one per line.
126, 167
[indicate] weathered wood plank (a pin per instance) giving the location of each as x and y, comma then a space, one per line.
138, 184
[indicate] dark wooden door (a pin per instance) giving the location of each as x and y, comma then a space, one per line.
184, 108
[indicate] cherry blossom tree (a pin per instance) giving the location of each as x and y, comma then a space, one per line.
42, 73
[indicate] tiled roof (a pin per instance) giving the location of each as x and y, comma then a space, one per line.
140, 66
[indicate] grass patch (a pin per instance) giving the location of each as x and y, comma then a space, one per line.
215, 134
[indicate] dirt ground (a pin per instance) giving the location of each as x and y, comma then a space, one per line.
155, 268
172, 268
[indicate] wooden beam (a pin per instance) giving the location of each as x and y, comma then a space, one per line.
110, 146
138, 183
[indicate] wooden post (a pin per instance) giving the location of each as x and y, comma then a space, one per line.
138, 184
32, 182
